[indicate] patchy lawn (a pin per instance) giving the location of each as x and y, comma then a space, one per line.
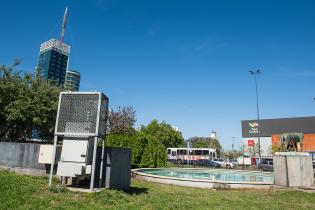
27, 192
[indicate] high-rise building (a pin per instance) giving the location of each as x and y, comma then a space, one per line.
73, 80
53, 60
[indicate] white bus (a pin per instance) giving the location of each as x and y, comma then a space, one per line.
181, 155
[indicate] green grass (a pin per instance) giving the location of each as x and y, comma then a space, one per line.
27, 192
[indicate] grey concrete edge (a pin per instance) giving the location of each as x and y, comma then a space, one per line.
136, 172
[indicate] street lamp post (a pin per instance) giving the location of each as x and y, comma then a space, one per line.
255, 73
233, 144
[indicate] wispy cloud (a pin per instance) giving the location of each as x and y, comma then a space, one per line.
202, 45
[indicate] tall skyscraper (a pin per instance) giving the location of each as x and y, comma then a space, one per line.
53, 60
53, 57
73, 80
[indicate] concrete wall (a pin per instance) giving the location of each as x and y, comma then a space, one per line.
293, 171
22, 158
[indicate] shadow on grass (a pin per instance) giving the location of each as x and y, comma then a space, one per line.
137, 190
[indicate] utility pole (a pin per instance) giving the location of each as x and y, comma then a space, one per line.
243, 148
233, 143
255, 73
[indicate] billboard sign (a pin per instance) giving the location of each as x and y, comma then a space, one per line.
269, 127
253, 127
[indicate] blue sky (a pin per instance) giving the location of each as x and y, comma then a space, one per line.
185, 62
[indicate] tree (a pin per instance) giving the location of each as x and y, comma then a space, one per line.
26, 103
153, 140
205, 142
119, 140
232, 154
121, 133
199, 142
254, 150
154, 153
214, 143
131, 141
10, 88
165, 133
149, 144
121, 121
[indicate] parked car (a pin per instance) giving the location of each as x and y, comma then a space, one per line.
223, 163
207, 163
234, 161
266, 165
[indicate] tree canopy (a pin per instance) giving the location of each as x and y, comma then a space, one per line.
232, 154
165, 133
158, 137
122, 120
149, 144
26, 102
207, 142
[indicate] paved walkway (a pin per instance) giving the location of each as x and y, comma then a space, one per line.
307, 189
303, 189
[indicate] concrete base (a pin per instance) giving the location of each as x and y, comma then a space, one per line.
85, 190
293, 170
205, 184
199, 183
25, 171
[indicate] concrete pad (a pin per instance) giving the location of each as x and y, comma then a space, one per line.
85, 190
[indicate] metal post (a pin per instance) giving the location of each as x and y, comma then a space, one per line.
258, 121
102, 162
103, 143
93, 164
243, 145
53, 160
258, 118
233, 144
55, 142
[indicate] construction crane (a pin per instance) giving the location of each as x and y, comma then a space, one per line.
64, 21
